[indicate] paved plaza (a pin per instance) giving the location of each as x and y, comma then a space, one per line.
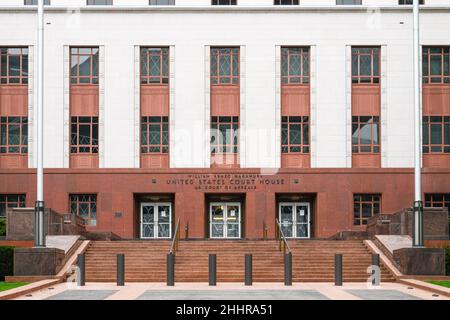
231, 291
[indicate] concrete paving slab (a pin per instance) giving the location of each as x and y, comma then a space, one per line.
82, 295
233, 295
377, 294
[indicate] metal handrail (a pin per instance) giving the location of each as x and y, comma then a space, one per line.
175, 239
282, 239
264, 230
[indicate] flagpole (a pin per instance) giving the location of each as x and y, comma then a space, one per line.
39, 229
418, 204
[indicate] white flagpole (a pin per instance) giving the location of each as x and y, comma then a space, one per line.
39, 205
418, 207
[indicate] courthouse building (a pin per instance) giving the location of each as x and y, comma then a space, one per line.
226, 114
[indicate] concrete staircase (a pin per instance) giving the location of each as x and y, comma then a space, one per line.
145, 261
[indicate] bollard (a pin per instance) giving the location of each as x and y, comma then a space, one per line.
81, 270
338, 269
376, 274
248, 269
120, 269
212, 269
170, 269
288, 269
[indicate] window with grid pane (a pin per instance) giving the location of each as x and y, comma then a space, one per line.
35, 2
154, 65
348, 2
402, 2
364, 207
436, 64
225, 66
99, 2
154, 134
13, 135
285, 2
84, 135
161, 2
436, 134
84, 65
223, 2
294, 134
11, 201
224, 134
365, 134
85, 206
13, 65
294, 65
366, 65
438, 200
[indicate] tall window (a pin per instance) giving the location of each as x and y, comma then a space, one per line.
224, 134
294, 65
438, 200
85, 206
84, 65
436, 134
154, 134
436, 64
154, 65
225, 65
365, 134
161, 2
13, 135
84, 133
223, 2
99, 2
285, 2
35, 2
366, 65
294, 134
14, 66
364, 207
11, 201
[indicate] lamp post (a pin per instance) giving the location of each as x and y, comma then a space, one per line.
418, 206
39, 228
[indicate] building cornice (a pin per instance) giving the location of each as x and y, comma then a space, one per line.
227, 9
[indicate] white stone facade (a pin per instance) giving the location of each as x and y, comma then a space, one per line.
259, 28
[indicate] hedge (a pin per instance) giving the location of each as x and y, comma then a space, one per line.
6, 262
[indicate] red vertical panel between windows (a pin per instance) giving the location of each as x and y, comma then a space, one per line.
154, 107
295, 107
225, 106
84, 107
366, 107
436, 106
14, 107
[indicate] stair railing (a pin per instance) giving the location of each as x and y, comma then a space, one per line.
175, 239
283, 244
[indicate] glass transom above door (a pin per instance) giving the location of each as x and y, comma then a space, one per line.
294, 218
156, 220
225, 220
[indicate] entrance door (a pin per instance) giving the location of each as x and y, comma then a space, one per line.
225, 220
295, 219
156, 220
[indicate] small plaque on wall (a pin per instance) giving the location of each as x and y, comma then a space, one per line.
117, 214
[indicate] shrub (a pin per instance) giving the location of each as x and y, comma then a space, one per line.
447, 261
2, 227
6, 262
